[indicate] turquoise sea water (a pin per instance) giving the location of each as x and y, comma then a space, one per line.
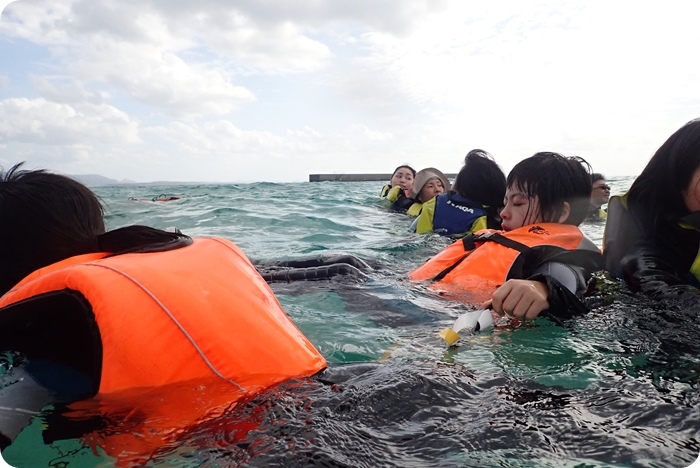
617, 387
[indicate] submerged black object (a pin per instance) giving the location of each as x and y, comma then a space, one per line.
320, 268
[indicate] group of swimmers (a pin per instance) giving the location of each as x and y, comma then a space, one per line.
519, 252
472, 202
469, 204
652, 233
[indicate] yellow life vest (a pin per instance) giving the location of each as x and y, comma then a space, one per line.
393, 193
415, 209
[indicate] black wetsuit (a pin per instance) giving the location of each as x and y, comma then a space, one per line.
660, 265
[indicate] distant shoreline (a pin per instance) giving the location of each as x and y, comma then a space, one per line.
95, 180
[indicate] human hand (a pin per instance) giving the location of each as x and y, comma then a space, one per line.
524, 299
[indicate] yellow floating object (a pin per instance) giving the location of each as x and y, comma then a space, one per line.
449, 335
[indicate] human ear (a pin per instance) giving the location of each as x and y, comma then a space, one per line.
691, 195
565, 212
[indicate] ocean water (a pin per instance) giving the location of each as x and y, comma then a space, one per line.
615, 388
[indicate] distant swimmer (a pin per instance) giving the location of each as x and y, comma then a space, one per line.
159, 198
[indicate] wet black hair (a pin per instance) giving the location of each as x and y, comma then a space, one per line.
555, 179
481, 179
46, 217
656, 195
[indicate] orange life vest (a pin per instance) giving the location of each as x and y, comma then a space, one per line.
472, 268
194, 312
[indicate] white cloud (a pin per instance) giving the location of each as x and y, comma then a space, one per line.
274, 88
42, 122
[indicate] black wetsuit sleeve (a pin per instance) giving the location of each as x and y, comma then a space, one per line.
563, 303
661, 272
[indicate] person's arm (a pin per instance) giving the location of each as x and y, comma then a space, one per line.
660, 271
554, 287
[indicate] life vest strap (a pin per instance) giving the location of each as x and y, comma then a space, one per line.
469, 241
447, 270
469, 244
530, 258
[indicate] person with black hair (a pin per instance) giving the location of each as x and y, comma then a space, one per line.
655, 243
50, 217
398, 189
540, 260
600, 195
134, 307
472, 204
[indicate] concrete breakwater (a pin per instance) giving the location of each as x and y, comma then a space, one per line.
356, 177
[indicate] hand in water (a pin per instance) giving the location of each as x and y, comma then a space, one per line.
523, 299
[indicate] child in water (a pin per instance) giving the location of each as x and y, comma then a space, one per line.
655, 243
429, 183
540, 260
473, 203
399, 187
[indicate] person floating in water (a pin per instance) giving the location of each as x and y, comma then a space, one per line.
600, 195
140, 307
652, 234
540, 260
399, 188
472, 204
429, 183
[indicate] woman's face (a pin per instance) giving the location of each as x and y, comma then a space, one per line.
520, 210
600, 193
403, 177
691, 194
432, 188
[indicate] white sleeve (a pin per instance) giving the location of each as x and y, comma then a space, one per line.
569, 276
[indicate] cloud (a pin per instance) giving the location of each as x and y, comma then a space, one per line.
277, 88
39, 121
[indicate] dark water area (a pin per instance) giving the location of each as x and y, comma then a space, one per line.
618, 387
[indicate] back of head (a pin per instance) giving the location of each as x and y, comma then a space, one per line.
555, 179
47, 217
481, 180
656, 196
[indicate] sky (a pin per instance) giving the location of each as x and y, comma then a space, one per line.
275, 90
